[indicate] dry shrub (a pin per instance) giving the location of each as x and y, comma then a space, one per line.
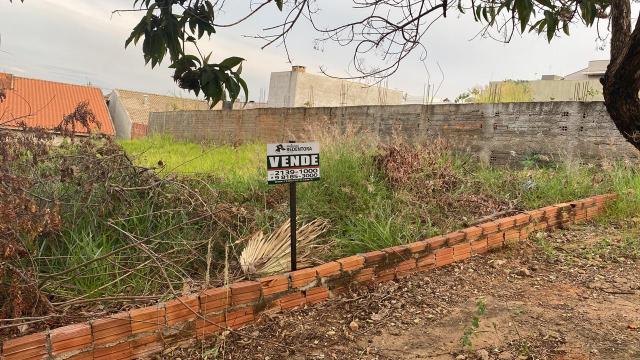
22, 220
427, 177
421, 169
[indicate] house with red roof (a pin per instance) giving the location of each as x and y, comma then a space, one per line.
44, 104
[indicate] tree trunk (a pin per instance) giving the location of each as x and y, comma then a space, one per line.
621, 82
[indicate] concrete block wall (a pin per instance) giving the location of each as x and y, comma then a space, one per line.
143, 332
498, 134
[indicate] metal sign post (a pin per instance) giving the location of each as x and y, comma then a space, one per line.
292, 163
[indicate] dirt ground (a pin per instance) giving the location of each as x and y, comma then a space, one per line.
566, 295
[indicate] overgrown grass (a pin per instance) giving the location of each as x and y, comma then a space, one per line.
365, 207
365, 211
239, 167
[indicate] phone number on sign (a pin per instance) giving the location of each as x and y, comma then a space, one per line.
294, 174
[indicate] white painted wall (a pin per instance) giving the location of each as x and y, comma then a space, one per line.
301, 89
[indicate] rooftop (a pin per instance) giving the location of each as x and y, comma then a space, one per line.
43, 103
139, 104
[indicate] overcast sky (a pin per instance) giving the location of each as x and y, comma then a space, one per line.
80, 41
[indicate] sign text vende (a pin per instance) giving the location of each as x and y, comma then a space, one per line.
293, 162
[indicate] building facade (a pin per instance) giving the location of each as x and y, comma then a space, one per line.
130, 110
582, 85
297, 88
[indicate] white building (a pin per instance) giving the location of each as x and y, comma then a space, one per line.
297, 88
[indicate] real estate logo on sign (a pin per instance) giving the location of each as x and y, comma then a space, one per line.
293, 162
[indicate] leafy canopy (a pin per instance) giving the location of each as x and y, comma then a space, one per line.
170, 27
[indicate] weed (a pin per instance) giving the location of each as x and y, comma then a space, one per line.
540, 238
467, 335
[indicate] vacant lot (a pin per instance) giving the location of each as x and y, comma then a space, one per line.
572, 294
94, 227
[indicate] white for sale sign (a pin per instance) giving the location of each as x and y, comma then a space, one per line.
293, 162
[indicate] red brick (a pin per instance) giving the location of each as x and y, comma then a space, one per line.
216, 299
385, 275
70, 338
145, 346
445, 260
351, 263
591, 212
511, 236
577, 205
238, 318
406, 267
522, 219
540, 226
462, 248
581, 215
418, 247
479, 246
600, 200
456, 237
374, 257
495, 240
274, 284
26, 347
316, 295
489, 227
550, 212
302, 278
210, 324
398, 251
426, 262
588, 202
182, 309
120, 351
150, 318
328, 269
461, 256
444, 252
85, 355
536, 215
245, 292
524, 234
113, 329
436, 242
364, 275
292, 300
506, 223
470, 234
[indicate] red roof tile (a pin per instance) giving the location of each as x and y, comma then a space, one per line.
44, 103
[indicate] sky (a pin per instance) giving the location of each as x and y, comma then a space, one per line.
82, 41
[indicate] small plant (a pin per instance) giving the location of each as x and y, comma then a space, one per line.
467, 335
540, 239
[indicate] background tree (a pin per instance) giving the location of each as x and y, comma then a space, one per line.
391, 30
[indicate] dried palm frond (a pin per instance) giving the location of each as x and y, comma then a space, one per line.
268, 255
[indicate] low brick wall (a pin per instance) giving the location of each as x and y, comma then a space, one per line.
140, 333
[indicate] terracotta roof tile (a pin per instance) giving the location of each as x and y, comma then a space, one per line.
44, 103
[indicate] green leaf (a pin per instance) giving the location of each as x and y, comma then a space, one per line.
245, 88
524, 9
552, 24
279, 4
230, 63
546, 3
565, 27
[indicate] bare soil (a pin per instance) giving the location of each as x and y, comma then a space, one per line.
560, 296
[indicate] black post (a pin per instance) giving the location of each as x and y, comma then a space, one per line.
292, 216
